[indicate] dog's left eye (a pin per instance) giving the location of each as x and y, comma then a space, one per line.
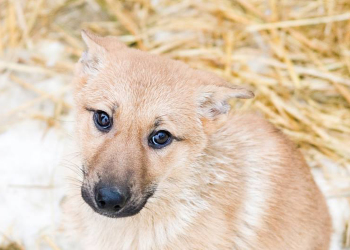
160, 139
102, 121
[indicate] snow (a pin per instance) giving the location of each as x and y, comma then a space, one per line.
32, 183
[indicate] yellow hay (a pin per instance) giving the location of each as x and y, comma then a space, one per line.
294, 54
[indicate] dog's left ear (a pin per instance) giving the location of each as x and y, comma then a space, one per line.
212, 103
214, 93
212, 100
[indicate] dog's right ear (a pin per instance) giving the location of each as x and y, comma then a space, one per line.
93, 58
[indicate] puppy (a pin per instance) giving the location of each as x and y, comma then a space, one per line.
167, 166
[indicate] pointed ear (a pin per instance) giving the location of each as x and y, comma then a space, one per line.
91, 40
93, 59
212, 100
109, 43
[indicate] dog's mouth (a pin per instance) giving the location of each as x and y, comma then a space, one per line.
133, 205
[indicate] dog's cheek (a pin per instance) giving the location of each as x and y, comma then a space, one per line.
181, 155
162, 162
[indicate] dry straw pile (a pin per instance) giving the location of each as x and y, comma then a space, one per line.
295, 55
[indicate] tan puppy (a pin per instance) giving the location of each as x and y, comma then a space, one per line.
166, 166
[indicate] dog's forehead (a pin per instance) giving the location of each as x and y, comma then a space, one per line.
139, 103
139, 67
142, 79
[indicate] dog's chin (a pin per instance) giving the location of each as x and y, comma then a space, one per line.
130, 209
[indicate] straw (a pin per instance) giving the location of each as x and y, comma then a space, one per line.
295, 55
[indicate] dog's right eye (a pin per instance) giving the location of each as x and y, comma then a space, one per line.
102, 121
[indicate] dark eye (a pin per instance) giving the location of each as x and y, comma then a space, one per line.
160, 139
102, 121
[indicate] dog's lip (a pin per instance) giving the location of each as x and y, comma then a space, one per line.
135, 210
124, 212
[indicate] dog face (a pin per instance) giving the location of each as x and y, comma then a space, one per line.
139, 118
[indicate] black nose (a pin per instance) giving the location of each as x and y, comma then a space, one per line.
109, 199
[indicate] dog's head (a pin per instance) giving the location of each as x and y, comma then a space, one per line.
140, 117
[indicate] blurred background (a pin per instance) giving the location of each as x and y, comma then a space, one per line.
295, 54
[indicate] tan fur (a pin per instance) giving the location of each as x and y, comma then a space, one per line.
233, 182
